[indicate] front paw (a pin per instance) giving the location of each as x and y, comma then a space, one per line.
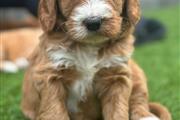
150, 118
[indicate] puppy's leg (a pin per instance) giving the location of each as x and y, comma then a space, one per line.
52, 105
30, 98
139, 108
113, 86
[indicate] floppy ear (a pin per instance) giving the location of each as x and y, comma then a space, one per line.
131, 11
47, 14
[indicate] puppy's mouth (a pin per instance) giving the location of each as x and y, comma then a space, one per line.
93, 26
89, 31
94, 38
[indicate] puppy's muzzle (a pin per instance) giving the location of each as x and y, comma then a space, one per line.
93, 23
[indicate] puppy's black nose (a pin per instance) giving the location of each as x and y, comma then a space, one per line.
93, 23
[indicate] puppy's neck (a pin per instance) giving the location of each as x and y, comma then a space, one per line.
120, 47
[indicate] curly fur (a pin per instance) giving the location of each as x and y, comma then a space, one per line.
78, 75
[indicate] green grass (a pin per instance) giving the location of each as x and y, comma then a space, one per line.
10, 95
159, 61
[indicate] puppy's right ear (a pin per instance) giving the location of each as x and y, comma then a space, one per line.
131, 11
47, 14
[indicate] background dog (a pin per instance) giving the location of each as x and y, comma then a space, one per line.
16, 46
82, 68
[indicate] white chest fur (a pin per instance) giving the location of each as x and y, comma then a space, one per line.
87, 64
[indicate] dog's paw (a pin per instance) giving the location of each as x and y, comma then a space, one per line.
150, 118
9, 67
22, 63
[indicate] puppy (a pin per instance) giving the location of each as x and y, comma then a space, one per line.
82, 68
15, 46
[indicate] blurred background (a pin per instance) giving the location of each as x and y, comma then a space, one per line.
157, 51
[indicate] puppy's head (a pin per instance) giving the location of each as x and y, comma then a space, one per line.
85, 20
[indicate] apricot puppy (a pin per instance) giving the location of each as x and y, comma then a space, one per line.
82, 68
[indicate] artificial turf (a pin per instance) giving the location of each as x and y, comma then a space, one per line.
160, 61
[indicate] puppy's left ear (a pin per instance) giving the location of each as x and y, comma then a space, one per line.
131, 11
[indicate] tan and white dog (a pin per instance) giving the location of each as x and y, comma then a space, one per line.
82, 68
15, 47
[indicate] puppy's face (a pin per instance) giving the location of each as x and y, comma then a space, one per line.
93, 20
88, 20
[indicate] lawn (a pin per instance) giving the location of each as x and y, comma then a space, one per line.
158, 59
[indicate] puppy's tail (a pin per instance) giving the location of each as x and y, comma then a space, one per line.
160, 111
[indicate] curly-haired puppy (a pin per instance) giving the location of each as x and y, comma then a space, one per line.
82, 68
